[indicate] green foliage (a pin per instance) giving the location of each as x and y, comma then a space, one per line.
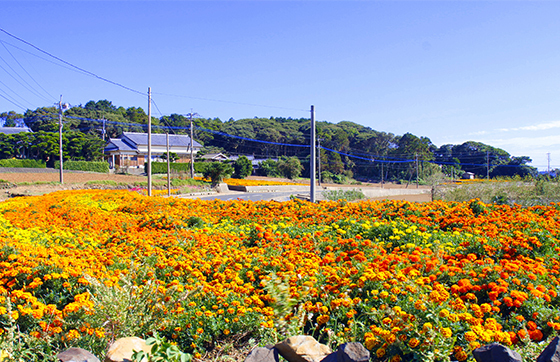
268, 168
217, 171
161, 350
135, 306
502, 192
161, 167
89, 166
348, 195
22, 163
172, 156
290, 167
242, 167
329, 177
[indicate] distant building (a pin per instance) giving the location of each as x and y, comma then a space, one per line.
131, 149
214, 157
14, 130
468, 176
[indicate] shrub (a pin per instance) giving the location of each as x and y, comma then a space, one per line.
14, 162
89, 166
242, 167
290, 167
217, 171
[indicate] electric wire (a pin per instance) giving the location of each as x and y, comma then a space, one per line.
71, 65
26, 72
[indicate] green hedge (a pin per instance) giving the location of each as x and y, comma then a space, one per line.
90, 166
161, 167
14, 162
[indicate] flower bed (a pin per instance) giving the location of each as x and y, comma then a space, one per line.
424, 281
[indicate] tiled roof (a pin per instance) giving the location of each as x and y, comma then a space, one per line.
116, 144
14, 130
158, 139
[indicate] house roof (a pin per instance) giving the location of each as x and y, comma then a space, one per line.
14, 130
158, 139
215, 156
116, 144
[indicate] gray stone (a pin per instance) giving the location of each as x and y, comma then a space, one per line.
222, 187
76, 355
552, 352
496, 353
122, 349
352, 352
263, 354
302, 349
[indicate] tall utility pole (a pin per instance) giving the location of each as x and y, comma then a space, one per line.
548, 168
60, 138
313, 144
319, 159
149, 164
168, 166
382, 174
416, 157
192, 151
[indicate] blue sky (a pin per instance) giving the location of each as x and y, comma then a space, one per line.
452, 71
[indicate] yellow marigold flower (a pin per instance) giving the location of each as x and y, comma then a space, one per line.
444, 313
427, 326
380, 352
395, 358
413, 343
446, 332
470, 336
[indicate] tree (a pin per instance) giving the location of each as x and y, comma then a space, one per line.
268, 168
243, 167
217, 171
290, 167
172, 156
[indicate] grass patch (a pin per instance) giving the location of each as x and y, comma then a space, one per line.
348, 195
502, 192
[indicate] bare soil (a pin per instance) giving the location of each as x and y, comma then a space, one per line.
34, 182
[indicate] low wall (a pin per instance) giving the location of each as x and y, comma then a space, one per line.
269, 188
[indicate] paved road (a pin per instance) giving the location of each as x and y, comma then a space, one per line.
252, 196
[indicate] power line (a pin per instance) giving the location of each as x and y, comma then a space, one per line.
72, 65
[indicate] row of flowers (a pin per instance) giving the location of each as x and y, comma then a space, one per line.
249, 182
424, 281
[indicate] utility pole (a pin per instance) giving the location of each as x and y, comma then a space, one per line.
168, 166
192, 151
416, 157
149, 164
312, 159
319, 158
60, 138
382, 174
548, 168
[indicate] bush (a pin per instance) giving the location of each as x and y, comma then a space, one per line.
90, 166
243, 167
290, 167
348, 195
268, 168
217, 171
15, 162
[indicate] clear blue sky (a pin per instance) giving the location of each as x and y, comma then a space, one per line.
452, 71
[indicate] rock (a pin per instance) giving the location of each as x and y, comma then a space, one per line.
222, 187
76, 355
496, 353
552, 352
263, 354
352, 352
121, 350
302, 349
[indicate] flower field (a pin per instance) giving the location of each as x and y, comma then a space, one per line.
426, 282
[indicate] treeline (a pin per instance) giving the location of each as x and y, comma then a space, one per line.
348, 148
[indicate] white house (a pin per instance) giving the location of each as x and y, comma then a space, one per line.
131, 149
